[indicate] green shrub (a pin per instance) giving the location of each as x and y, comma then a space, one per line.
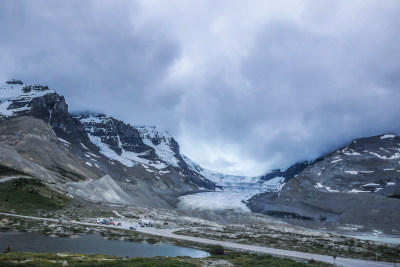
216, 249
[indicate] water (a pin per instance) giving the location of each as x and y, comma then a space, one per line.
91, 244
379, 238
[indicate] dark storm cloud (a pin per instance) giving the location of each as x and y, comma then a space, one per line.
245, 86
89, 51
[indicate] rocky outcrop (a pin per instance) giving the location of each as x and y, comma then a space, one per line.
290, 172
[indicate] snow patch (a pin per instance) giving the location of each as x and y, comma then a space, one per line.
164, 149
357, 191
329, 189
64, 141
357, 172
395, 156
372, 184
84, 146
388, 136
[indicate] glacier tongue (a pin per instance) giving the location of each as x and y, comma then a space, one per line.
236, 190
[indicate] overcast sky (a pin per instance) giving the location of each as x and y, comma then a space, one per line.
244, 86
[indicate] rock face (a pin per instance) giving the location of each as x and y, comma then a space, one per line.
290, 172
40, 138
358, 184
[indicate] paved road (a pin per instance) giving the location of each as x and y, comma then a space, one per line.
346, 262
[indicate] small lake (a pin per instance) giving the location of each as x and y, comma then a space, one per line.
91, 244
379, 238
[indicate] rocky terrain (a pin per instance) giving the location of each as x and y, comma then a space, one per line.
358, 184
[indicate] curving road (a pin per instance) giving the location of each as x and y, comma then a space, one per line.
346, 262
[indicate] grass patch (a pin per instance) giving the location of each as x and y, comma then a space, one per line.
29, 196
53, 259
73, 259
247, 259
216, 250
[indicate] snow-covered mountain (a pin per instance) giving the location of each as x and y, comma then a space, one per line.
100, 158
143, 161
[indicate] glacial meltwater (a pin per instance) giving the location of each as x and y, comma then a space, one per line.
91, 244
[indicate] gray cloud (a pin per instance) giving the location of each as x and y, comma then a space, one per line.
244, 86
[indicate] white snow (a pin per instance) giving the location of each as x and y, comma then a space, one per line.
390, 183
388, 136
371, 184
357, 172
320, 185
84, 146
64, 141
357, 191
88, 163
349, 152
236, 190
274, 184
10, 92
164, 149
337, 160
127, 158
395, 156
216, 201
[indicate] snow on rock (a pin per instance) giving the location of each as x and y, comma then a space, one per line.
357, 172
102, 190
395, 156
15, 92
320, 185
388, 136
161, 141
274, 185
371, 184
358, 191
128, 158
64, 141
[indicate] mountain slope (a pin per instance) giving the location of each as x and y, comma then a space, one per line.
59, 147
358, 184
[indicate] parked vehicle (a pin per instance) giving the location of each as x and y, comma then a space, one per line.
146, 223
102, 221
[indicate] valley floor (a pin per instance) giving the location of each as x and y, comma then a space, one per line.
189, 236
